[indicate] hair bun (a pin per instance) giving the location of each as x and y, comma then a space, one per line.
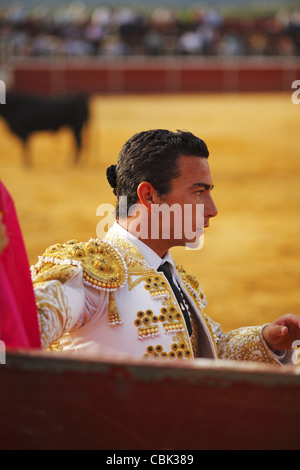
111, 175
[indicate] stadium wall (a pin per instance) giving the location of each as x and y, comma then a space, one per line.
155, 75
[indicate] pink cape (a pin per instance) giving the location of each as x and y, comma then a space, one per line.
18, 314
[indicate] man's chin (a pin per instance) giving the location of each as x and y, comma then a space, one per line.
196, 243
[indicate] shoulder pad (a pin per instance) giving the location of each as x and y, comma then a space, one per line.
103, 266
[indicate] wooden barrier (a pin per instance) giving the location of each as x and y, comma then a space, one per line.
49, 401
155, 75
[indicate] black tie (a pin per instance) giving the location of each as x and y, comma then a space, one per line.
166, 269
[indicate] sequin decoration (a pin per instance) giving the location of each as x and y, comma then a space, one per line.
103, 266
192, 286
157, 287
113, 311
146, 324
178, 351
172, 320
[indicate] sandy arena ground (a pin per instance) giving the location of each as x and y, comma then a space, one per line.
249, 265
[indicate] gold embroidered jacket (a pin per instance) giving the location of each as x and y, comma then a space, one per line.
102, 296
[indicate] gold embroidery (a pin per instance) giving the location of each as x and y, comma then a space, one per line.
193, 289
245, 344
178, 351
133, 283
146, 324
170, 316
49, 272
173, 321
155, 283
53, 312
137, 268
55, 347
126, 246
157, 286
103, 266
181, 348
113, 311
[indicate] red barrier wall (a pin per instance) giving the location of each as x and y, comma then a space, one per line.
53, 402
156, 75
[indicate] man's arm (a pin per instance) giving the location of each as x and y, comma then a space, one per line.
60, 301
250, 344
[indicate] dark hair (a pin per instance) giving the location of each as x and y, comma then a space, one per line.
152, 156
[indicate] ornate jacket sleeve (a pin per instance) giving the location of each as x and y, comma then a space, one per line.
243, 344
60, 300
61, 278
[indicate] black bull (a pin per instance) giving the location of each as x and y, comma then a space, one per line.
26, 114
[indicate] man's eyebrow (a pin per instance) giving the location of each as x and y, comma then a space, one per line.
205, 186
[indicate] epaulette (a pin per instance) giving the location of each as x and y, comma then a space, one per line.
103, 266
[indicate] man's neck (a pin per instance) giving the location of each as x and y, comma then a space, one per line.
159, 246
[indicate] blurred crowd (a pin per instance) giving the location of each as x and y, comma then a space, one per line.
73, 30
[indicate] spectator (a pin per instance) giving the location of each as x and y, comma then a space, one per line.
73, 30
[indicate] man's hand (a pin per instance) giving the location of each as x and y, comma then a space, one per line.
280, 334
3, 237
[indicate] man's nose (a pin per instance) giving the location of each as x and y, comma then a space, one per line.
210, 208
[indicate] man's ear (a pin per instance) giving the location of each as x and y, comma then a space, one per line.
147, 194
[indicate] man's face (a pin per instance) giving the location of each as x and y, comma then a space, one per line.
190, 195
